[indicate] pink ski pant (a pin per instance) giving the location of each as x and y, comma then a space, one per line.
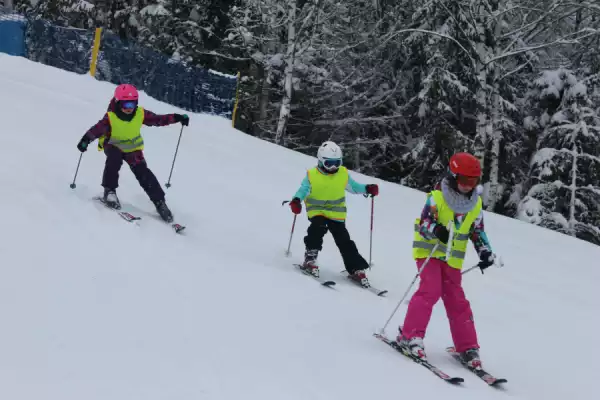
438, 279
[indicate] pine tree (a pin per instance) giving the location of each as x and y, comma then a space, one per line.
564, 189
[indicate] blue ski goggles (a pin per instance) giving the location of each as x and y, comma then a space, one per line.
332, 163
128, 105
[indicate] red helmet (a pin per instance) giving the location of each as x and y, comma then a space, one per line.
466, 169
126, 92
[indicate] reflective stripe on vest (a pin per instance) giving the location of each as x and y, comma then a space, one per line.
328, 194
422, 248
126, 135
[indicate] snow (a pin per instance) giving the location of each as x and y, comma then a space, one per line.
577, 90
154, 10
552, 82
95, 308
212, 71
529, 123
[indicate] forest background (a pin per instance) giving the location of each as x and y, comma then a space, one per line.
402, 85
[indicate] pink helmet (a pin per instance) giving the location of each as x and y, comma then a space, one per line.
126, 92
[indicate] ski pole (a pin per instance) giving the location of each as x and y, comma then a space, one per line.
371, 235
288, 253
73, 185
450, 240
470, 269
499, 265
168, 184
410, 286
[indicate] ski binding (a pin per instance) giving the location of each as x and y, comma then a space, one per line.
438, 372
323, 282
480, 372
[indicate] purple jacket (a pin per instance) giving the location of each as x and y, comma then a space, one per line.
103, 127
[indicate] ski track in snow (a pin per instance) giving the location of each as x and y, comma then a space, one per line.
95, 308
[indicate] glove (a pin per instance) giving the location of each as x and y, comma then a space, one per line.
441, 233
183, 118
372, 189
296, 205
487, 259
83, 143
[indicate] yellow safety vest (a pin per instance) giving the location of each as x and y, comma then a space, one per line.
328, 194
458, 250
125, 135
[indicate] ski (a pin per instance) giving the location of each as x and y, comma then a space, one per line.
480, 372
370, 288
177, 227
324, 282
127, 216
438, 372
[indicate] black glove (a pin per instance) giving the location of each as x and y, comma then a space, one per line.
83, 143
487, 259
183, 118
441, 233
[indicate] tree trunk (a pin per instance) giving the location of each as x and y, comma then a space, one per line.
483, 121
263, 106
493, 194
572, 220
284, 113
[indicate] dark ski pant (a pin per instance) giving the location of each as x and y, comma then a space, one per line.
139, 167
313, 240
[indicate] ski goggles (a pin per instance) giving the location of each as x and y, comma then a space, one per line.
332, 163
467, 181
128, 105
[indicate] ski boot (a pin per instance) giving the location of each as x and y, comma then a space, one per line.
471, 358
360, 277
110, 199
310, 262
163, 211
413, 347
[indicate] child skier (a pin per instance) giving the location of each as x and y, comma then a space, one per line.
323, 190
456, 200
120, 137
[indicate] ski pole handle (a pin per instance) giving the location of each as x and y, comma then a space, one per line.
500, 264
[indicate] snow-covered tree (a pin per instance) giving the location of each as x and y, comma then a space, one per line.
73, 13
564, 189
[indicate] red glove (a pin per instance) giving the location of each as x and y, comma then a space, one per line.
373, 189
296, 205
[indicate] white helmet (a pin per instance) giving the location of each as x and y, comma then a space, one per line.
330, 156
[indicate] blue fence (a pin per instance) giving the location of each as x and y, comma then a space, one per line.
190, 88
12, 34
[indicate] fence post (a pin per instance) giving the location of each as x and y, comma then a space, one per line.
95, 50
237, 99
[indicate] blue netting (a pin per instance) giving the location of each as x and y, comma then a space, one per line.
190, 88
12, 33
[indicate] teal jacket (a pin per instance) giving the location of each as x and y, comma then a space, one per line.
352, 187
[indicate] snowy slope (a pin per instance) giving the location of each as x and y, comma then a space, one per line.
94, 308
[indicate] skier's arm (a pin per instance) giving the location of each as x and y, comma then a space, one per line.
304, 189
151, 119
101, 128
354, 187
478, 235
429, 218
